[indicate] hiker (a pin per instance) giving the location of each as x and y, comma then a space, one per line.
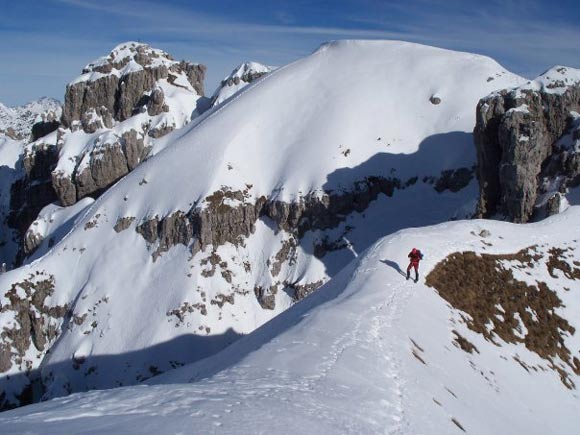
414, 256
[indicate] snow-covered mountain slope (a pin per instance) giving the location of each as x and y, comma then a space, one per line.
18, 121
240, 77
373, 353
247, 209
307, 123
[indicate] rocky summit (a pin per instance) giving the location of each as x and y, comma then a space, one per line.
113, 113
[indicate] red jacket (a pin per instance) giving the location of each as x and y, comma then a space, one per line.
415, 256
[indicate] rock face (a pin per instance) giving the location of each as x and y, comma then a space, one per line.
219, 221
516, 132
99, 169
117, 107
34, 191
122, 99
122, 82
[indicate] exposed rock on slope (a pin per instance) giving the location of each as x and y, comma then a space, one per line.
516, 132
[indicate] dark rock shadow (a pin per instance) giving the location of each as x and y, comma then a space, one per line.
435, 153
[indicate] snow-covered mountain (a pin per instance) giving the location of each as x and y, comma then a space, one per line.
113, 113
18, 125
485, 343
18, 121
240, 213
239, 78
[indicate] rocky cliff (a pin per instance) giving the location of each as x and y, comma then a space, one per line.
122, 102
125, 82
518, 136
113, 114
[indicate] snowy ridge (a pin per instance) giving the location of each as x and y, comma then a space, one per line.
368, 353
556, 80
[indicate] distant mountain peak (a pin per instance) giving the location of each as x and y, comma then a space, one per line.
240, 77
18, 121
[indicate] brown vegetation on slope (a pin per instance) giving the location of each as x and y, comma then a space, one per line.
498, 305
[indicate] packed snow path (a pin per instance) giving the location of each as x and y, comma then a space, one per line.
368, 353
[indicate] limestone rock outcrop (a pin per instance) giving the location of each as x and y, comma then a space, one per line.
125, 80
100, 168
118, 106
516, 134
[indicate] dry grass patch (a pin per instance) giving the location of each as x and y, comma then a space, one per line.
464, 343
498, 305
557, 261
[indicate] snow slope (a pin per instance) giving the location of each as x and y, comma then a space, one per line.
351, 110
337, 108
367, 353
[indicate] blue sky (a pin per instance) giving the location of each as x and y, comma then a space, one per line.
45, 43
